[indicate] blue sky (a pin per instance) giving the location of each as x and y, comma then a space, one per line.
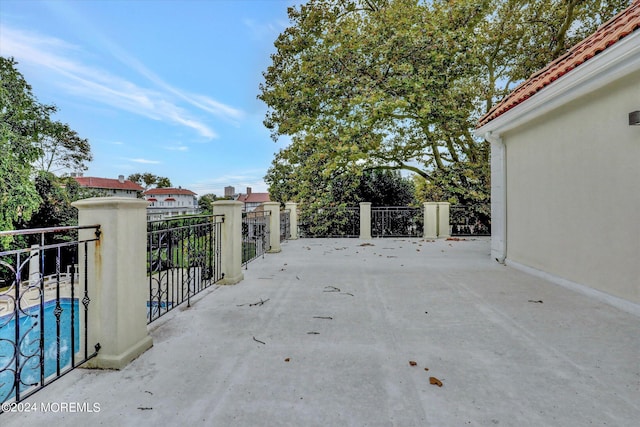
161, 86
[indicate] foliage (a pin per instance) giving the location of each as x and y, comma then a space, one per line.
20, 118
385, 188
205, 203
517, 38
148, 180
375, 84
31, 141
62, 149
399, 84
57, 195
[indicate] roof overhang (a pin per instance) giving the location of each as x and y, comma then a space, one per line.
616, 62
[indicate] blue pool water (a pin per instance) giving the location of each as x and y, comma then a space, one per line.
30, 342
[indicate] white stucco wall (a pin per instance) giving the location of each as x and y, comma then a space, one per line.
573, 191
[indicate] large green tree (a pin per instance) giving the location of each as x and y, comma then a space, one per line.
20, 120
399, 84
32, 144
375, 84
517, 38
62, 149
149, 180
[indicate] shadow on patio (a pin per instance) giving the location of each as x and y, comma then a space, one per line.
323, 333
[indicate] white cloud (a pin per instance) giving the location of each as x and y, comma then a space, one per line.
178, 147
90, 82
145, 161
240, 181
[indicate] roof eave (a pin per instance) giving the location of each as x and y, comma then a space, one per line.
619, 60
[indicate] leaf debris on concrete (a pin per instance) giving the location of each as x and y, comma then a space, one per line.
435, 381
261, 302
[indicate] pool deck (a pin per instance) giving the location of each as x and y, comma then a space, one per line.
324, 333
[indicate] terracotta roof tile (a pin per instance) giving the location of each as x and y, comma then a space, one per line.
107, 183
167, 191
620, 26
254, 198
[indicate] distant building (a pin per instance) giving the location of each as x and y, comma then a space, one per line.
252, 200
167, 202
229, 191
111, 187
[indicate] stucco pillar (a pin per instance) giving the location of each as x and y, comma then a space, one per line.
430, 220
365, 220
231, 240
274, 226
293, 219
117, 283
443, 220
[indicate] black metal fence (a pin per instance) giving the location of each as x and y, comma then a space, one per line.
255, 235
183, 259
44, 306
285, 225
471, 220
397, 222
331, 222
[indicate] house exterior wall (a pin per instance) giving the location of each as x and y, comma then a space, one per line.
121, 193
182, 204
573, 191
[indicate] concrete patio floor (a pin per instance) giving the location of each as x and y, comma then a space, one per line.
331, 344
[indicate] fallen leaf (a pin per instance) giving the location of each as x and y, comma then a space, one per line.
435, 381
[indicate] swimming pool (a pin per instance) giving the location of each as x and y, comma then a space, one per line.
29, 355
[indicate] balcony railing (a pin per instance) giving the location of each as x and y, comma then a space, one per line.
285, 225
44, 306
472, 220
255, 235
397, 222
331, 222
183, 259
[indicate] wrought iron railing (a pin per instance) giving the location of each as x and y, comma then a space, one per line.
285, 225
397, 222
471, 220
331, 222
183, 259
44, 306
255, 235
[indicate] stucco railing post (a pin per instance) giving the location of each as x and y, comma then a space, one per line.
293, 219
430, 220
365, 220
231, 240
274, 226
443, 220
117, 283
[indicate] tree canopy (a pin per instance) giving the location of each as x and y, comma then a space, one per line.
30, 141
148, 180
399, 84
62, 149
20, 116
